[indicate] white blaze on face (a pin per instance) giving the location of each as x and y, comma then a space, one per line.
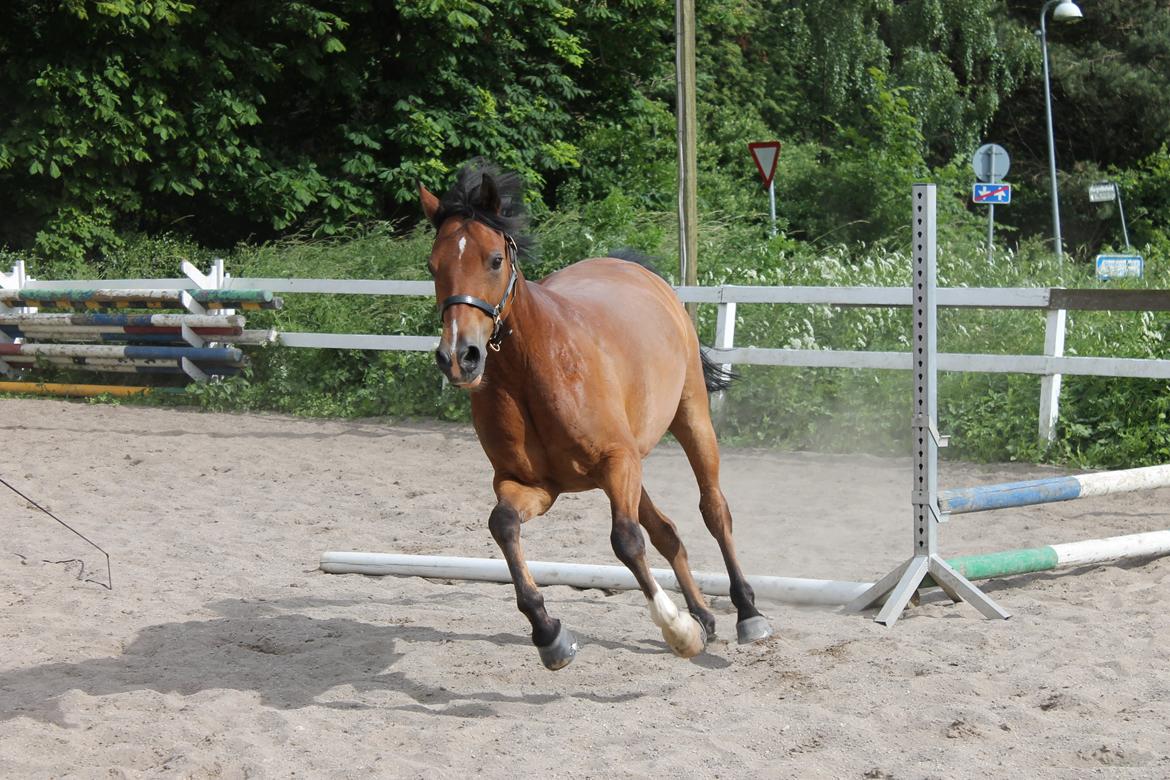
454, 322
454, 338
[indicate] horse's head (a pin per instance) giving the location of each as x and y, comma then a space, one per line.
473, 262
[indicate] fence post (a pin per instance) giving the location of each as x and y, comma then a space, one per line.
1050, 383
725, 328
17, 279
10, 281
724, 339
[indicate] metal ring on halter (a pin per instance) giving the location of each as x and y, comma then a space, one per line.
495, 312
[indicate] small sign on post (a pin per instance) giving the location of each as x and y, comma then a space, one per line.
1107, 192
994, 193
1102, 192
991, 164
765, 154
1114, 266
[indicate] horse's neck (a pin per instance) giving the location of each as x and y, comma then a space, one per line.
532, 323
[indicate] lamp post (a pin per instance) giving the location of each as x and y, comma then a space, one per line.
1066, 11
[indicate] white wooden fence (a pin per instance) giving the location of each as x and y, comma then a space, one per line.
1050, 365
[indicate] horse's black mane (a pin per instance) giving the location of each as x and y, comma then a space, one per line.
466, 199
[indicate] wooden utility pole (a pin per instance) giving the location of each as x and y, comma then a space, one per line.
688, 218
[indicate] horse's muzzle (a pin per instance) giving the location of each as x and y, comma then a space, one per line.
467, 370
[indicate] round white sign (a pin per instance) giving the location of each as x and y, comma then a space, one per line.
991, 162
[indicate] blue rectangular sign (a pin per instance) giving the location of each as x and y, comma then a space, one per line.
1113, 266
995, 192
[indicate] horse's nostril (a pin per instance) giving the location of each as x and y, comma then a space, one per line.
469, 357
443, 359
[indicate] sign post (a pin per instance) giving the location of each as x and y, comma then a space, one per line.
1114, 266
687, 132
1104, 192
765, 154
991, 164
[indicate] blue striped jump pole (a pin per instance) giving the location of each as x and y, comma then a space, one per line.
199, 354
1046, 491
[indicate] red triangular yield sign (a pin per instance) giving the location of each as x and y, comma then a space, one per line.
765, 153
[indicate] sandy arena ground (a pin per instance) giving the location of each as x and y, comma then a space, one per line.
223, 652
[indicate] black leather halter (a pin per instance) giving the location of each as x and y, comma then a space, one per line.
495, 312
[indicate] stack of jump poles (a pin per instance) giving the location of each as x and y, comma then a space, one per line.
795, 590
201, 343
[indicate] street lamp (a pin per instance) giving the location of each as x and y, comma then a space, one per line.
1066, 11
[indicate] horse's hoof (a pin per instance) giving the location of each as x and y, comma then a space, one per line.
561, 651
691, 643
753, 629
702, 633
710, 630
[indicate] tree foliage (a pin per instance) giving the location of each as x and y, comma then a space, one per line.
229, 120
258, 117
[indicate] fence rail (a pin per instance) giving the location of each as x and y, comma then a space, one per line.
1050, 365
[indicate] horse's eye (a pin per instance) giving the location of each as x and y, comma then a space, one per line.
497, 261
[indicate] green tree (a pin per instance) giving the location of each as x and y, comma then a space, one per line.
253, 118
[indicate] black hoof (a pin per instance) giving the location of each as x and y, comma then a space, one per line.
753, 629
561, 651
707, 623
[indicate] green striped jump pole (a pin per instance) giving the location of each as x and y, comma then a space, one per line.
1060, 556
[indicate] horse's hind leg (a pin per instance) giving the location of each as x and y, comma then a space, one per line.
621, 479
664, 536
517, 504
692, 427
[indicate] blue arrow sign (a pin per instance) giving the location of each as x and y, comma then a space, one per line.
995, 192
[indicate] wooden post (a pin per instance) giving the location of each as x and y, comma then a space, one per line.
687, 158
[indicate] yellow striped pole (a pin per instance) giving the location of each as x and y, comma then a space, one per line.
83, 391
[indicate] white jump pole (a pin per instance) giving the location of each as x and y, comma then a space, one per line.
790, 590
786, 590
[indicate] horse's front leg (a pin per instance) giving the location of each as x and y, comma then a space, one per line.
516, 505
621, 479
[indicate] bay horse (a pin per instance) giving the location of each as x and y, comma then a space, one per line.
573, 380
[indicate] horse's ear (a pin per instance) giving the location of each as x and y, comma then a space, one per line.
430, 203
487, 196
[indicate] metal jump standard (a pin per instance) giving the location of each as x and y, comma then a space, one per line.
900, 585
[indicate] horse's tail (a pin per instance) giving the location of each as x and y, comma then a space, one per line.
631, 255
716, 376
